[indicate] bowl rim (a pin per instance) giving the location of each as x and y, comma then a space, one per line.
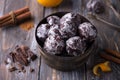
62, 57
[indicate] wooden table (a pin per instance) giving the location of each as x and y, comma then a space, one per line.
14, 35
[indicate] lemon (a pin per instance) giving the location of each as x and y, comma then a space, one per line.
49, 3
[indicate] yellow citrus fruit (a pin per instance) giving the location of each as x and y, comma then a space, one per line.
49, 3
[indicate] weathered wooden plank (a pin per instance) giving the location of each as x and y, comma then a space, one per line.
14, 35
2, 2
108, 38
8, 40
47, 73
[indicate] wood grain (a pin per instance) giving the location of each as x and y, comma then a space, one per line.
14, 35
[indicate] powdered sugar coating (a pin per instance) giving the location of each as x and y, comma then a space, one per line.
42, 31
53, 20
66, 17
87, 31
54, 30
54, 45
74, 17
68, 29
75, 46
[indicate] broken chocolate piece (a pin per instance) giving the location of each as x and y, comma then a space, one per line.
31, 55
20, 67
19, 58
12, 69
24, 71
32, 70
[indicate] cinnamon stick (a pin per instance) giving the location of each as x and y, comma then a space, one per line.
17, 12
19, 19
112, 52
20, 15
5, 20
23, 17
7, 23
110, 58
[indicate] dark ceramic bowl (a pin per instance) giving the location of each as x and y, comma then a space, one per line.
64, 63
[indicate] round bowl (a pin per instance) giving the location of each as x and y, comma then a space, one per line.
64, 63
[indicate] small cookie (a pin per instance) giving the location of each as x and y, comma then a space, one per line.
53, 20
87, 31
75, 46
42, 31
68, 29
54, 30
54, 44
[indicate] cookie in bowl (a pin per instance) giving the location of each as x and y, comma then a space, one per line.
54, 44
53, 20
75, 46
42, 31
69, 40
87, 31
68, 29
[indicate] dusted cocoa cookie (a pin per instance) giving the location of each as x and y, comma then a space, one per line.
96, 6
68, 29
53, 20
87, 31
72, 17
54, 45
42, 31
54, 30
75, 46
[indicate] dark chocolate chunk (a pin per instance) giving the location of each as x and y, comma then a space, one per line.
32, 70
32, 55
12, 69
19, 58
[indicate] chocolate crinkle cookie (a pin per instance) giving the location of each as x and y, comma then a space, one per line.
53, 20
54, 45
68, 29
96, 6
87, 31
75, 46
42, 31
71, 17
54, 30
